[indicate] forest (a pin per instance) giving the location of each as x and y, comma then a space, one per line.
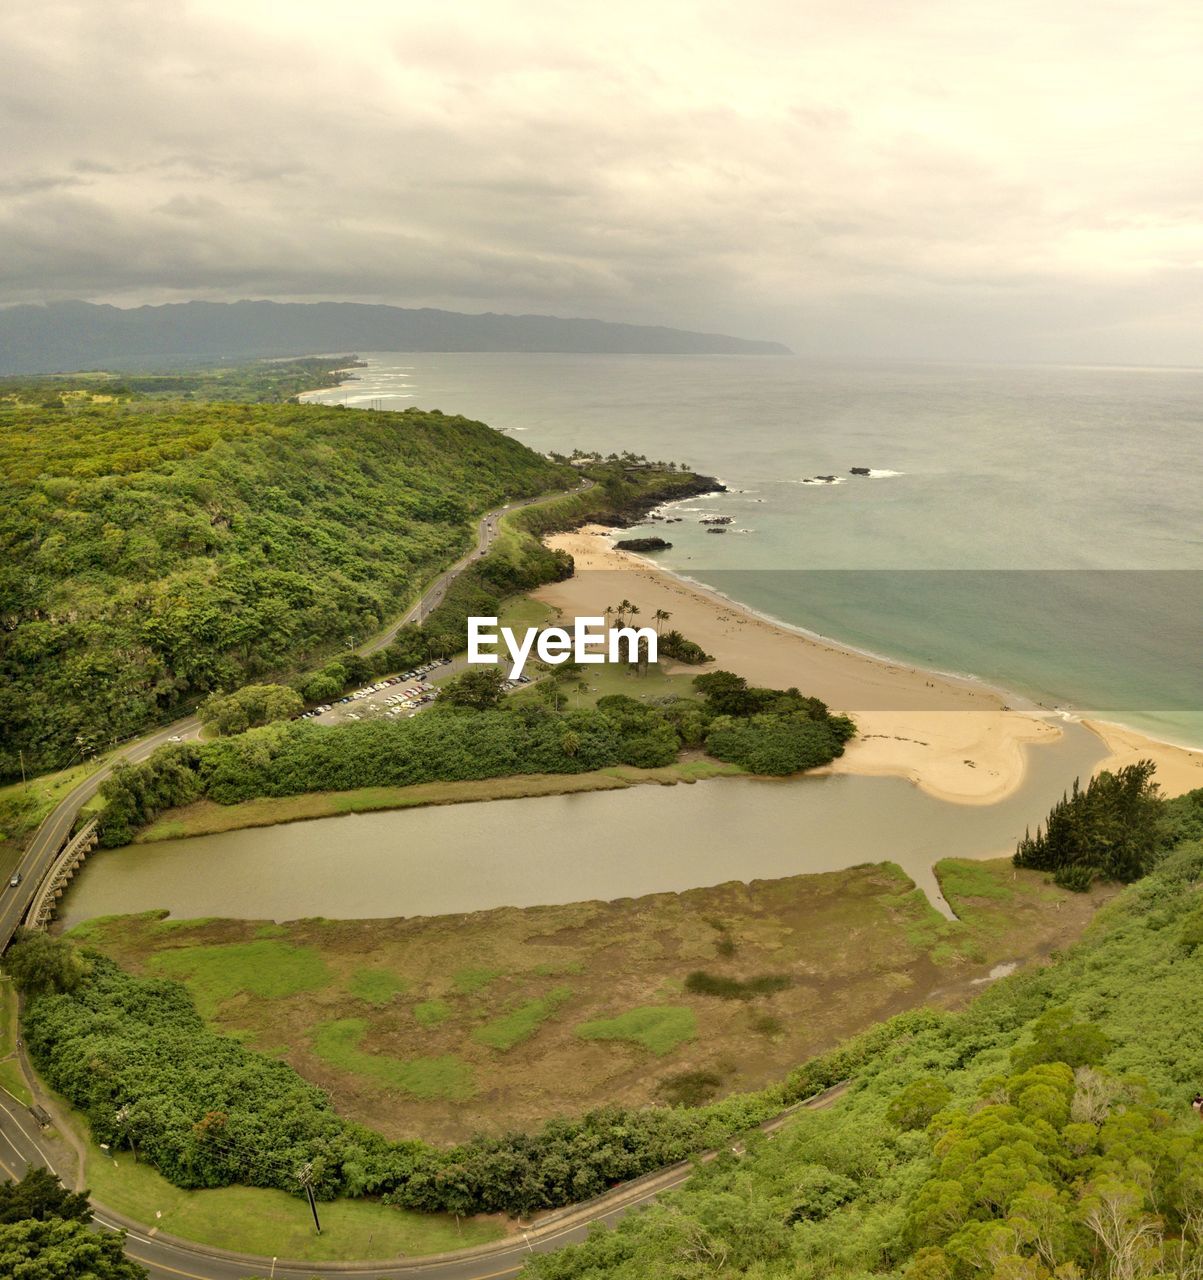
771, 731
155, 550
1036, 1133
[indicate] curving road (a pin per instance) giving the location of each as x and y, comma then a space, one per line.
50, 837
169, 1258
486, 534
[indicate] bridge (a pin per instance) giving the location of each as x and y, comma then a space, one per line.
41, 909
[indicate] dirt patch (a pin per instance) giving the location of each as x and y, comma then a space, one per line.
443, 1026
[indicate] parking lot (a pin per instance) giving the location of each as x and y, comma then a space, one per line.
396, 697
392, 698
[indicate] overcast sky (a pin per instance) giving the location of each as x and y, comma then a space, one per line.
936, 178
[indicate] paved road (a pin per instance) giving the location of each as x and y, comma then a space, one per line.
486, 534
169, 1258
52, 834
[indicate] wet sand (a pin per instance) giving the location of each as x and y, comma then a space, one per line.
955, 739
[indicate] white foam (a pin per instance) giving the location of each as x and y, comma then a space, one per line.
882, 475
819, 480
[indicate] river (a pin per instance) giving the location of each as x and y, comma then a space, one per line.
553, 849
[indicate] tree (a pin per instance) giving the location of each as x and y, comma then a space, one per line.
39, 964
39, 1194
659, 617
1112, 830
725, 693
480, 688
1058, 1037
249, 707
322, 688
915, 1106
63, 1249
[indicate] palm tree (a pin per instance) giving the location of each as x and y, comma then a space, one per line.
660, 616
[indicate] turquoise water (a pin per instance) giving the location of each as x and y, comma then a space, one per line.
1041, 532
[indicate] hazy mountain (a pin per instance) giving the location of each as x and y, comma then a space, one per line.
81, 335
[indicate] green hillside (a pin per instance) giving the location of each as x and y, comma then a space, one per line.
155, 549
1045, 1133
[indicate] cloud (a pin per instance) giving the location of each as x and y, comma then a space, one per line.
932, 177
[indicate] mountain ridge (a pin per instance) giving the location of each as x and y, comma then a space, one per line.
75, 335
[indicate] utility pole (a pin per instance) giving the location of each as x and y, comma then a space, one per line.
21, 754
305, 1177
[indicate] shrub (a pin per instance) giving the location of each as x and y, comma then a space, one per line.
709, 984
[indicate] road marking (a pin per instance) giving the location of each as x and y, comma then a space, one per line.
162, 1266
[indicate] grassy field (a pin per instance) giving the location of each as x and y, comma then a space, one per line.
443, 1026
206, 818
272, 1223
522, 611
657, 1028
10, 1076
670, 681
266, 968
445, 1077
521, 1023
24, 805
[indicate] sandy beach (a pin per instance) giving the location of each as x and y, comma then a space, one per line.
956, 740
1178, 769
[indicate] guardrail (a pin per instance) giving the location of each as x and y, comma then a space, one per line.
64, 867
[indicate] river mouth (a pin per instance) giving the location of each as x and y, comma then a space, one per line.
568, 848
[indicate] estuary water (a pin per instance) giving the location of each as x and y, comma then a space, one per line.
1036, 527
606, 845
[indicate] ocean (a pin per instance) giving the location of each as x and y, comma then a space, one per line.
1034, 527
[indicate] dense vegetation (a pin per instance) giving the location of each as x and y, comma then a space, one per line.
156, 550
625, 487
1107, 832
674, 645
768, 731
206, 1111
44, 1234
909, 1163
1046, 1131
